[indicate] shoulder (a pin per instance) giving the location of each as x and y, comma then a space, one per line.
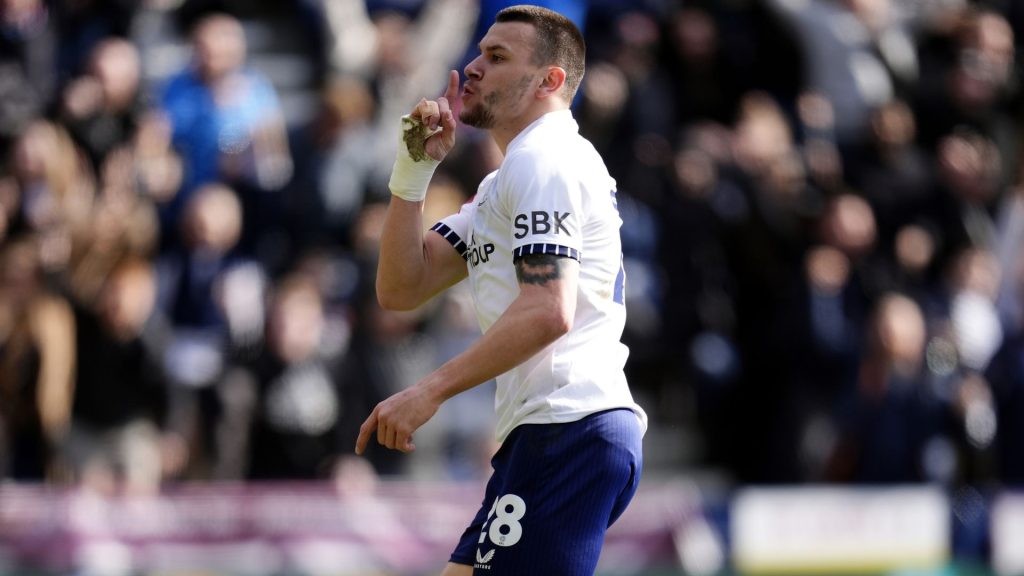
546, 159
527, 169
537, 157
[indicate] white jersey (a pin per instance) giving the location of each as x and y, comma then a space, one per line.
551, 195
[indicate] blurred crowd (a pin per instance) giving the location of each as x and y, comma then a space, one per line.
822, 203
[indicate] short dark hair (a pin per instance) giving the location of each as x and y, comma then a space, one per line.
559, 41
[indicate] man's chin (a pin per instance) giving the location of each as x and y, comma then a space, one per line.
476, 118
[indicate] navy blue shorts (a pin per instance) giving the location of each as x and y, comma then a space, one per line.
555, 490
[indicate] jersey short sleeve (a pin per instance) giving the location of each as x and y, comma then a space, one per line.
544, 200
456, 228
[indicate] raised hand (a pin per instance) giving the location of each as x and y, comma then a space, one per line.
438, 120
427, 136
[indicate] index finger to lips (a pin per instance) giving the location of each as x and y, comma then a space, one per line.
452, 91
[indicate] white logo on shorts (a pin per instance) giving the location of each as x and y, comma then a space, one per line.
486, 558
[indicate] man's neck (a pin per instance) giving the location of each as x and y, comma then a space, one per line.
503, 135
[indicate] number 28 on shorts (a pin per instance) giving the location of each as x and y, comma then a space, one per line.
505, 529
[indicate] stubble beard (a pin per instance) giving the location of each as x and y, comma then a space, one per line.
478, 116
481, 115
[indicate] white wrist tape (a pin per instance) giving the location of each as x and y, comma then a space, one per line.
413, 166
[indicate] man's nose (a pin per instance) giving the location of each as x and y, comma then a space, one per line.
472, 70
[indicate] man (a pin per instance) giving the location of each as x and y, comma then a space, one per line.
228, 125
540, 245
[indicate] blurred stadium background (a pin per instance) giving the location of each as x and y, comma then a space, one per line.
823, 209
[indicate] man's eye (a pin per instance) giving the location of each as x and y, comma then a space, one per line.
496, 58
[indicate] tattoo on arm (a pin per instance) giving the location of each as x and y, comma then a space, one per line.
539, 268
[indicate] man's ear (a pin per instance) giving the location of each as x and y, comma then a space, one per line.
552, 83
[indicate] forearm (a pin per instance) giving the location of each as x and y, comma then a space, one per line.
523, 331
402, 266
410, 269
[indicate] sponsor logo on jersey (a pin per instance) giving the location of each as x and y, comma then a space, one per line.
540, 223
478, 254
